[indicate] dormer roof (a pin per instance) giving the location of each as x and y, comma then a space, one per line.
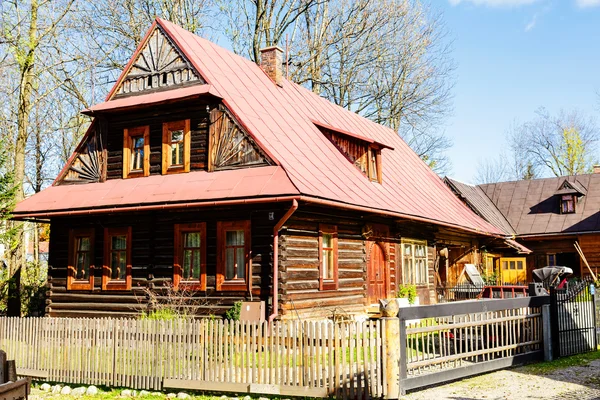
571, 187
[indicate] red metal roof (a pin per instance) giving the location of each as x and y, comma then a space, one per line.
282, 122
194, 187
153, 98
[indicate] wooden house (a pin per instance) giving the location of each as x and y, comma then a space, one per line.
205, 172
547, 216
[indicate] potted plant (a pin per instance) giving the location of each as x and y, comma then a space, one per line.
407, 295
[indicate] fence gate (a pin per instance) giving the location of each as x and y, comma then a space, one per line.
573, 319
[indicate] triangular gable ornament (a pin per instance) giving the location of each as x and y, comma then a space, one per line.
567, 187
159, 64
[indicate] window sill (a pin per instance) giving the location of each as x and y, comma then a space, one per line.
117, 285
176, 170
328, 285
81, 285
233, 286
136, 174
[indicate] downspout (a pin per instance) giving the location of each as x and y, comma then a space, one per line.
276, 229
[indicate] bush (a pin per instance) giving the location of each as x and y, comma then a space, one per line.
161, 314
407, 291
168, 303
233, 314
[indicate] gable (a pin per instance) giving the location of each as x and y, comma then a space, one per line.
159, 64
568, 187
230, 146
85, 165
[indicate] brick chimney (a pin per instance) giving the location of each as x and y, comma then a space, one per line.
596, 169
271, 61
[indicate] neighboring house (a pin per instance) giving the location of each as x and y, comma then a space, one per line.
546, 216
43, 250
204, 171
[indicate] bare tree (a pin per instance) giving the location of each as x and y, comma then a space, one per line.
253, 24
388, 60
492, 170
563, 144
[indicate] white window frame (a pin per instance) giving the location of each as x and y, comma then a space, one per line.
411, 274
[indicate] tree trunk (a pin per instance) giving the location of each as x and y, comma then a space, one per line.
17, 259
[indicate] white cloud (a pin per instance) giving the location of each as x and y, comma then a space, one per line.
587, 3
531, 23
505, 3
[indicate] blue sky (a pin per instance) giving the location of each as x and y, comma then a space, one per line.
514, 56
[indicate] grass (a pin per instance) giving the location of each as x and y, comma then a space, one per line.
548, 367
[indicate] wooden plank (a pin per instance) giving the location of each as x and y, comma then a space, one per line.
32, 373
244, 388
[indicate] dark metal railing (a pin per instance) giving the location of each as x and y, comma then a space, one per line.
470, 291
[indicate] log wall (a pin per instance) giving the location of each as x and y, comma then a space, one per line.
299, 264
199, 121
299, 293
152, 261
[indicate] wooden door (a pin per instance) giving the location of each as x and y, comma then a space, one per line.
376, 271
513, 270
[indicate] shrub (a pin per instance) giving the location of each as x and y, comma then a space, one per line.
168, 303
407, 291
234, 312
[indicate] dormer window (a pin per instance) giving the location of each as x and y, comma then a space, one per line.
567, 204
363, 152
176, 147
136, 152
374, 164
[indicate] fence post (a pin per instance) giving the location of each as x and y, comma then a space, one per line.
3, 372
391, 348
547, 332
595, 310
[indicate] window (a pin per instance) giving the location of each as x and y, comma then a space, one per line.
136, 152
328, 257
176, 147
233, 257
374, 164
567, 204
551, 260
414, 262
190, 256
81, 259
117, 259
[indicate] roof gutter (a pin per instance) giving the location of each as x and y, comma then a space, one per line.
542, 236
276, 230
156, 207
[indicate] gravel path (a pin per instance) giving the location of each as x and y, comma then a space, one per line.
577, 383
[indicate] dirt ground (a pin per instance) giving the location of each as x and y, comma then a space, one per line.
580, 382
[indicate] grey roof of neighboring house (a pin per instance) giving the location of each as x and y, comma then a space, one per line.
479, 202
532, 206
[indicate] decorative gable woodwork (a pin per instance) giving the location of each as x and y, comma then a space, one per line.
355, 150
364, 155
574, 188
86, 166
160, 64
229, 146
